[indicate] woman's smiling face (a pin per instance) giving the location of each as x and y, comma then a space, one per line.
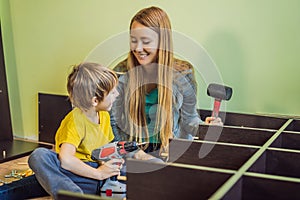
143, 43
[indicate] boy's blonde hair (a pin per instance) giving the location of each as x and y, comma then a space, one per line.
88, 80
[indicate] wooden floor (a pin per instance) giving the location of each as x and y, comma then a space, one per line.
21, 166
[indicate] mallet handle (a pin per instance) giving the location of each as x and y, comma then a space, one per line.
216, 109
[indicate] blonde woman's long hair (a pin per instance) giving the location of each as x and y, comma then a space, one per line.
156, 19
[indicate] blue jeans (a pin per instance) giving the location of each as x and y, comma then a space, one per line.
53, 177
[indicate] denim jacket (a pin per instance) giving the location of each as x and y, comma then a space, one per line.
185, 116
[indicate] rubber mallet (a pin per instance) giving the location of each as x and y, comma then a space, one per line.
220, 93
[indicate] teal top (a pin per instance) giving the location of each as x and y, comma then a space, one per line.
150, 110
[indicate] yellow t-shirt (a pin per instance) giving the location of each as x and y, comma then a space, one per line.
78, 130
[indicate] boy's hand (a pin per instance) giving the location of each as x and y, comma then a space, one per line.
110, 168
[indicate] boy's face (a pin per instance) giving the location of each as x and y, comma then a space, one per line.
108, 100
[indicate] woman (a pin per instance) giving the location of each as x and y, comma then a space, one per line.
157, 98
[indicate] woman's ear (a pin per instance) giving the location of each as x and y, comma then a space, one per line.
95, 101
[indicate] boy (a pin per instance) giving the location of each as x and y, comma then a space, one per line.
92, 90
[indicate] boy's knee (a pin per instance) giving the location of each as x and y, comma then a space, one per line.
39, 152
38, 156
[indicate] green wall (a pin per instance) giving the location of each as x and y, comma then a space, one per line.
255, 46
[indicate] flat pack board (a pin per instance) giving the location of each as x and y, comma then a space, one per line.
5, 117
13, 149
170, 181
52, 109
250, 157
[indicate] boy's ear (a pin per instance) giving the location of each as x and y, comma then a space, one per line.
95, 101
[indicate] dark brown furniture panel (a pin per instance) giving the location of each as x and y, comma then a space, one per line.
5, 120
249, 188
288, 140
294, 126
247, 120
234, 135
17, 148
276, 162
217, 156
171, 182
52, 109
